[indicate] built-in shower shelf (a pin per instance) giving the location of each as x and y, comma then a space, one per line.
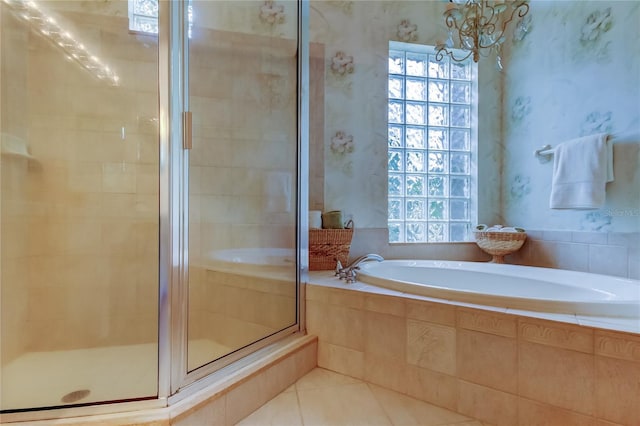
15, 147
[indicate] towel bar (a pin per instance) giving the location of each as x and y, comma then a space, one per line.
544, 154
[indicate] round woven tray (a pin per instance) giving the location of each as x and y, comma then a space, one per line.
499, 244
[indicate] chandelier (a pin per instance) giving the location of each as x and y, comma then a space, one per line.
479, 27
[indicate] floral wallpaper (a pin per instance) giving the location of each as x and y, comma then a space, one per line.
575, 72
355, 36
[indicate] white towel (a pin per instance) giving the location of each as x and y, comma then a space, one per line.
277, 192
581, 169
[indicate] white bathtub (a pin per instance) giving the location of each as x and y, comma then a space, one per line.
252, 261
509, 286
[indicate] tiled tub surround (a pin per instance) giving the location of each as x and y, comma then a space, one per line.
501, 366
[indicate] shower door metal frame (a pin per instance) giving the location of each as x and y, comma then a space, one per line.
188, 382
173, 229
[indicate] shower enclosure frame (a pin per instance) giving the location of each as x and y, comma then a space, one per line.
173, 230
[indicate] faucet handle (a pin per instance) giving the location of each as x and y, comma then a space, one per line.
351, 276
338, 268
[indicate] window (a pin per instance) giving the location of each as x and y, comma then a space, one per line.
431, 146
143, 16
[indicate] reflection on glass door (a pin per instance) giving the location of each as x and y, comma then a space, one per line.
242, 175
79, 205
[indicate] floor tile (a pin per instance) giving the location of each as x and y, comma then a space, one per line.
406, 411
321, 378
281, 410
326, 398
350, 404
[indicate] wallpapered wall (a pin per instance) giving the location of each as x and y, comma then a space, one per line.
576, 72
355, 102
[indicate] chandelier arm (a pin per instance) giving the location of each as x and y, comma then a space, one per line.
521, 10
479, 26
450, 21
490, 28
441, 51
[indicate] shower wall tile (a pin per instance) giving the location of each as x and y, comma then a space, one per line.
242, 129
90, 201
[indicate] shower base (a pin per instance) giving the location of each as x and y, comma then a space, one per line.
80, 376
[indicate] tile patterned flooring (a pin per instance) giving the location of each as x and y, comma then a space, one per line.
325, 398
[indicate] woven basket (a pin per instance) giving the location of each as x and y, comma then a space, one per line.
499, 244
327, 246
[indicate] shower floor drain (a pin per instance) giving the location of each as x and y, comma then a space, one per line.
74, 396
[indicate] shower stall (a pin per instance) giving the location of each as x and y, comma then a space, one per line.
151, 190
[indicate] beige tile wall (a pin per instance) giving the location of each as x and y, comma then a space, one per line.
503, 369
13, 118
234, 309
243, 98
609, 253
80, 223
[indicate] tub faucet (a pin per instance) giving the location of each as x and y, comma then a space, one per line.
349, 272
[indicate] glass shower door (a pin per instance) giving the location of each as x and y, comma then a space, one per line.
79, 205
242, 175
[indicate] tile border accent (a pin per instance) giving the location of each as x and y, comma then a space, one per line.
497, 324
554, 334
617, 345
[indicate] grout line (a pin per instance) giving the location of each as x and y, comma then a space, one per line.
384, 410
298, 402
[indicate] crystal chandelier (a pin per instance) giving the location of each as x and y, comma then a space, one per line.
479, 27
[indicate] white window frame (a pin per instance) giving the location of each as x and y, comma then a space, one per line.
134, 23
135, 18
399, 221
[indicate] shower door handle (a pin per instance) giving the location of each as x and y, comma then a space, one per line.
187, 130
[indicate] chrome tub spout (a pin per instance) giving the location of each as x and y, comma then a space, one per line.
349, 272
